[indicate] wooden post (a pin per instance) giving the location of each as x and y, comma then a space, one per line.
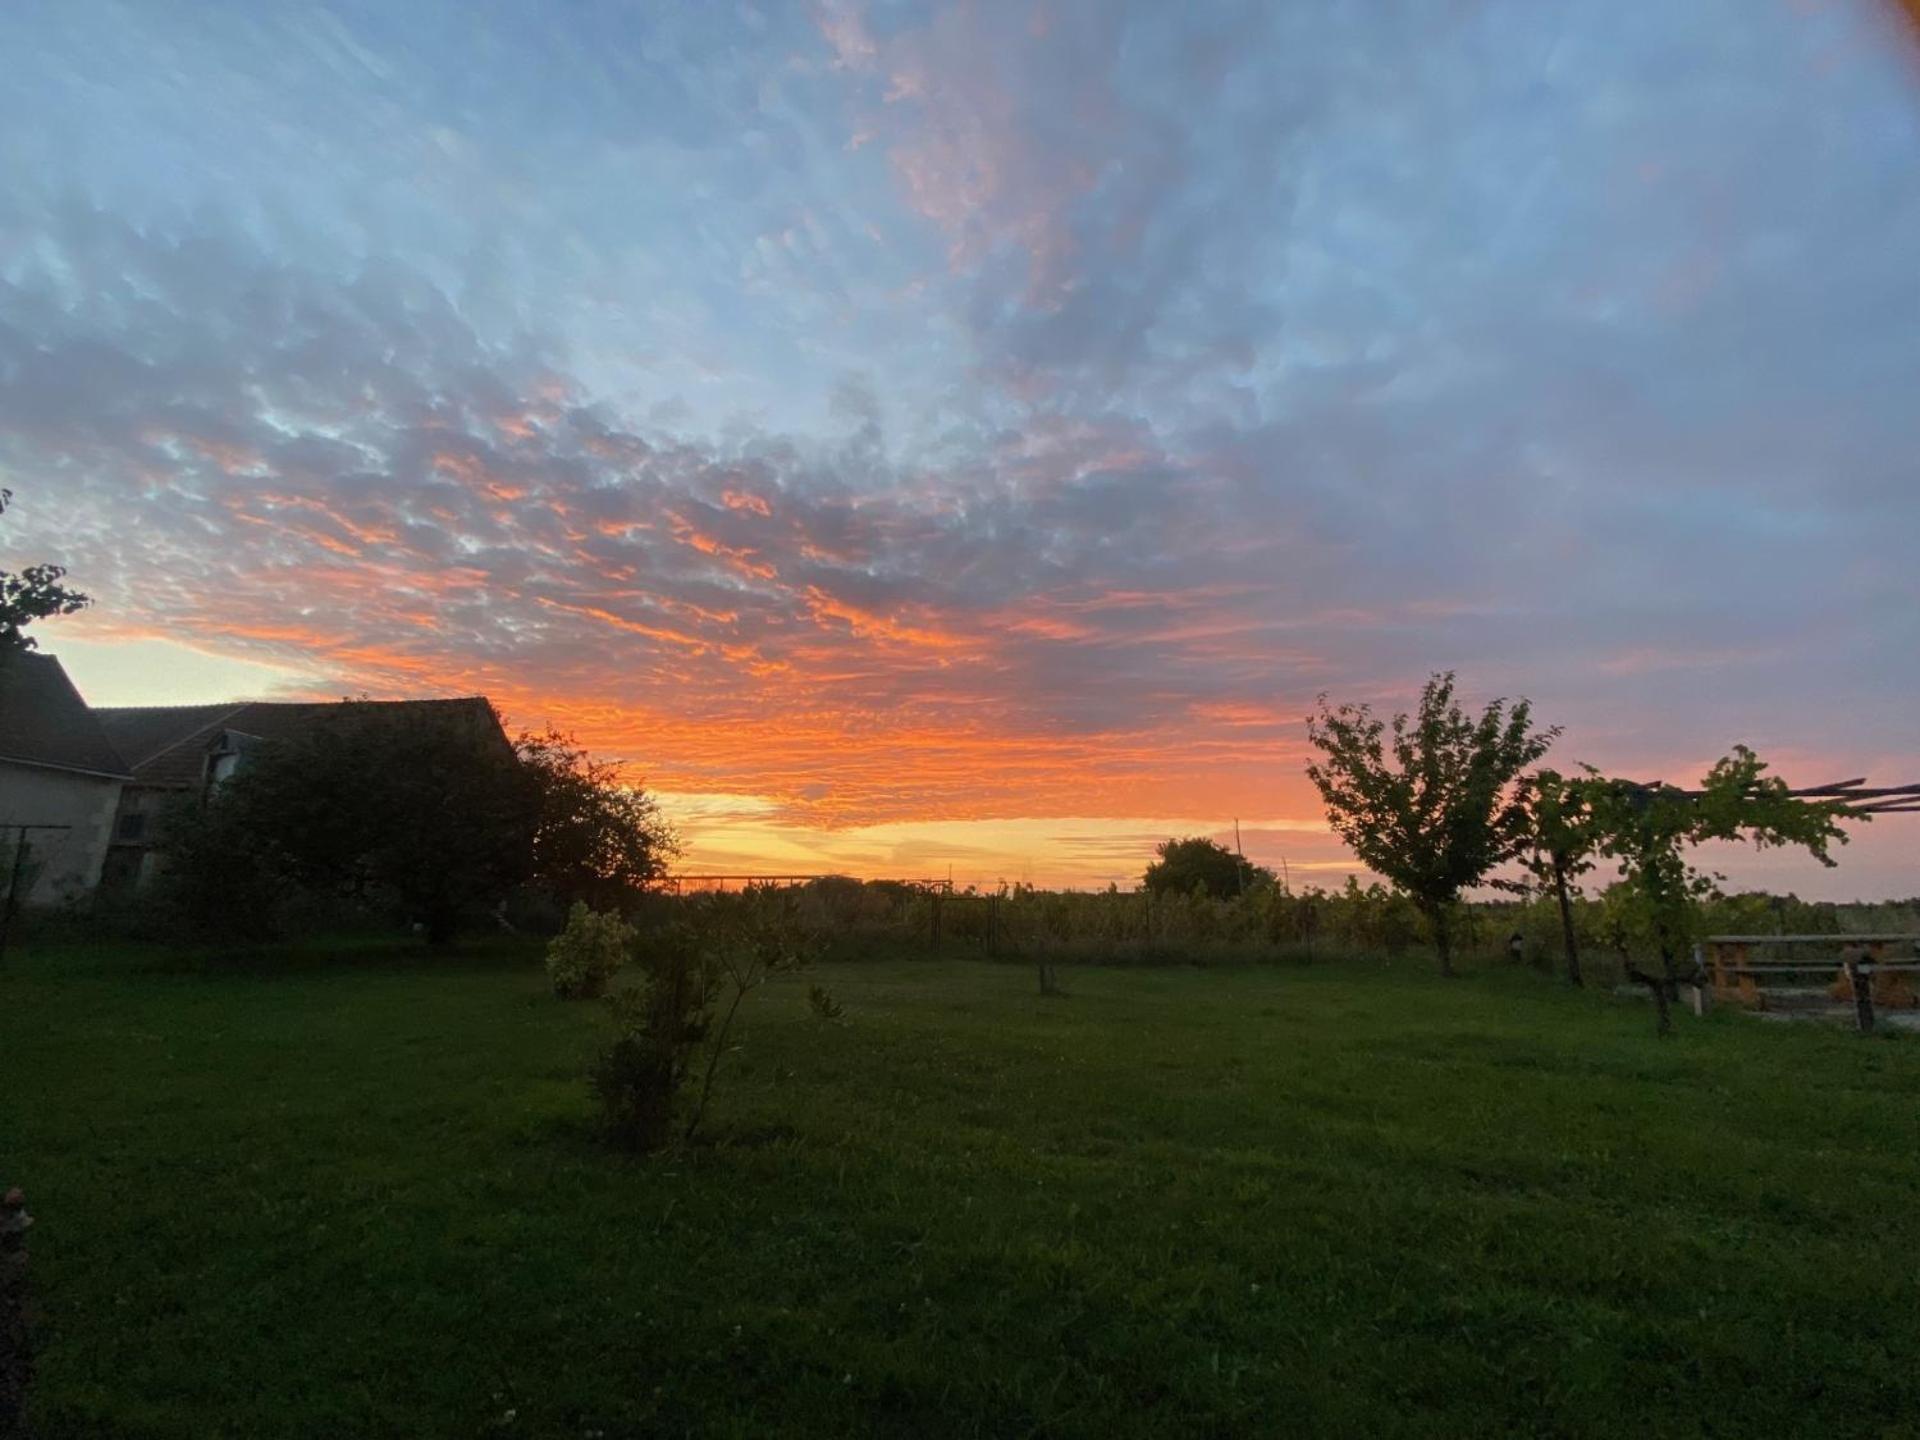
13, 887
1860, 974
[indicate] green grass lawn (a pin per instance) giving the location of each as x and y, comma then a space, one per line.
364, 1198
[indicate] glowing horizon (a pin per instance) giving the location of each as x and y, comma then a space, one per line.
967, 434
734, 834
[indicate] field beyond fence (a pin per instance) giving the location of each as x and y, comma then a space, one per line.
1268, 923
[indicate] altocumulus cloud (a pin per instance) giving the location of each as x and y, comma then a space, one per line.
344, 472
923, 413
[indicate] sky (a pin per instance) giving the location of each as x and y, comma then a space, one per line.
928, 438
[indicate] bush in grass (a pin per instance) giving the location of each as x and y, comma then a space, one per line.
636, 1079
214, 883
658, 1031
582, 958
678, 1025
825, 1008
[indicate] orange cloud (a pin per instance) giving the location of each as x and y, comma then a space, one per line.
474, 474
872, 625
631, 627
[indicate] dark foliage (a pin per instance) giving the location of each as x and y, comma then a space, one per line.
678, 1025
420, 813
825, 1008
659, 1030
1197, 863
34, 593
427, 816
219, 882
595, 837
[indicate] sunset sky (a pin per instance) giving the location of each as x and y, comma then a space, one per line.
927, 436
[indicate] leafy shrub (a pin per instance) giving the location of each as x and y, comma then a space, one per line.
214, 883
635, 1081
582, 958
820, 1000
697, 974
658, 1030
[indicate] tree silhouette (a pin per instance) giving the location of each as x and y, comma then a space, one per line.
1430, 801
1198, 861
35, 593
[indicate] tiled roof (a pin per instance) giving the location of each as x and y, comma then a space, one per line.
167, 744
153, 738
43, 720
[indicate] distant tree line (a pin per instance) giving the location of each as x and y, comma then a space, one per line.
1270, 923
1206, 866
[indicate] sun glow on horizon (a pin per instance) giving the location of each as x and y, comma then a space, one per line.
804, 832
735, 834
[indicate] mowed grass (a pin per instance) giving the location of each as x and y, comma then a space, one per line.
360, 1195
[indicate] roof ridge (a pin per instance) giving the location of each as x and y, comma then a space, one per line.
150, 709
242, 704
228, 711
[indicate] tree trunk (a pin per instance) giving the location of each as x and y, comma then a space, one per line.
442, 921
1567, 939
1861, 978
1657, 988
1442, 939
718, 1047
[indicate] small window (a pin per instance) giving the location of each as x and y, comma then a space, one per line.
132, 827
